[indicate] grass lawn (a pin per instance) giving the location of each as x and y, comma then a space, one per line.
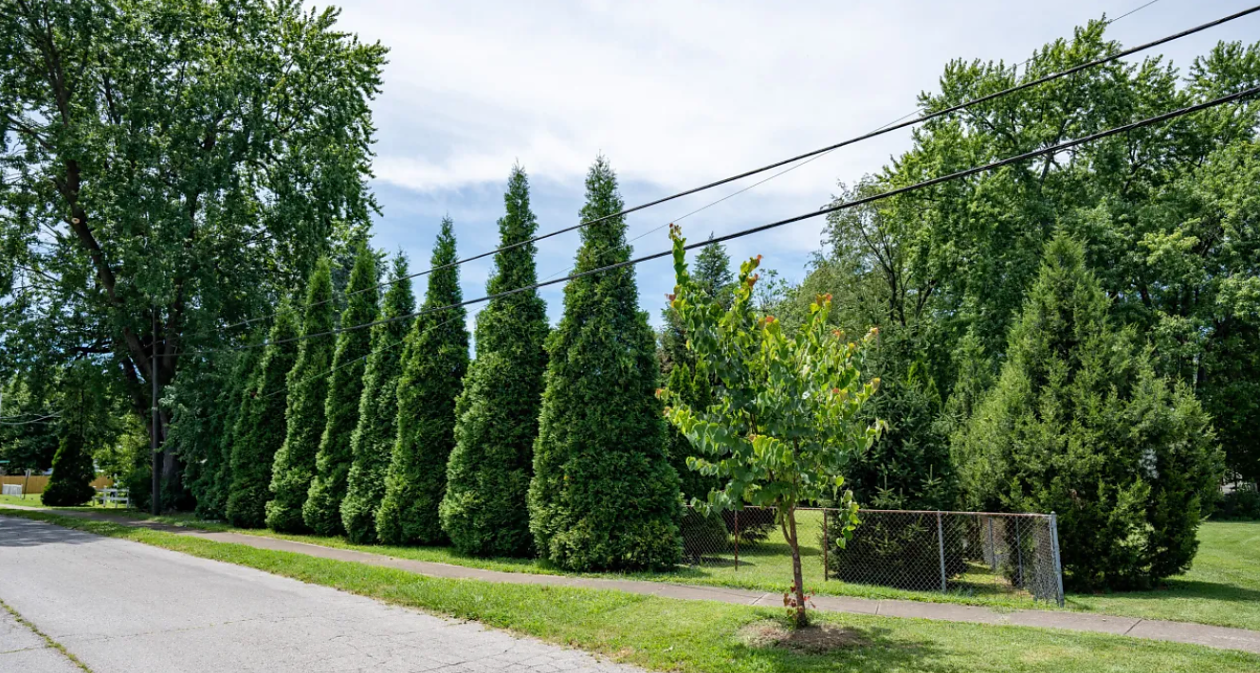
700, 636
28, 501
1222, 587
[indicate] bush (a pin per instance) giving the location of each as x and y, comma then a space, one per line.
1240, 504
71, 482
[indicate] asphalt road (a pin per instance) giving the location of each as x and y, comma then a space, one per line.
122, 607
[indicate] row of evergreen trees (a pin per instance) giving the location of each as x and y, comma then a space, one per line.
408, 442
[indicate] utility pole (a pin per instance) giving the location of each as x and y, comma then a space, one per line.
156, 507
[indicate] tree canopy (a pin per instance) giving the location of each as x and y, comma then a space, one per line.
184, 160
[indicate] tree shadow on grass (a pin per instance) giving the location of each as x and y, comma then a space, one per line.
833, 647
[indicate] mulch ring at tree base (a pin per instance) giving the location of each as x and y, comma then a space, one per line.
815, 639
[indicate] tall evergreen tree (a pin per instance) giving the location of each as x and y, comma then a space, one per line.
261, 425
212, 500
434, 362
322, 510
1079, 423
488, 474
603, 495
373, 438
307, 386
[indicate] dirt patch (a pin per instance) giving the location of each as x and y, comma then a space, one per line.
811, 639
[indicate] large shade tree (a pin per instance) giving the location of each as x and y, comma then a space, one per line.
169, 167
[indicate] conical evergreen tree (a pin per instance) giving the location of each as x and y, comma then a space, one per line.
72, 467
307, 385
212, 504
373, 438
1078, 423
261, 425
322, 511
434, 363
603, 495
488, 474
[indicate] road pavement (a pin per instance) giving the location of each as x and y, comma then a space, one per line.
122, 607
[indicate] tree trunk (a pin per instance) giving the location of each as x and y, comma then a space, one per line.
800, 619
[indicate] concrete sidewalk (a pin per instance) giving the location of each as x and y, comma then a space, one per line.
1199, 634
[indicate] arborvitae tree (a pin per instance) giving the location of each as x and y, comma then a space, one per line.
488, 474
603, 495
373, 438
261, 425
322, 510
212, 502
307, 385
72, 468
434, 362
1079, 424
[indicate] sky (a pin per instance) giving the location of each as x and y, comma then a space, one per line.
677, 94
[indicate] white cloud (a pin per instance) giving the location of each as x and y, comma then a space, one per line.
676, 94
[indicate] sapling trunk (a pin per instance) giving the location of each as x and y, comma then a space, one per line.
800, 618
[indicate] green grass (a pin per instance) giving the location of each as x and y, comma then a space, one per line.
700, 636
29, 501
1222, 588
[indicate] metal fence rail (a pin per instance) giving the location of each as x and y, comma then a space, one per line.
964, 552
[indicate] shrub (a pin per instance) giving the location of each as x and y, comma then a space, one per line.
1240, 504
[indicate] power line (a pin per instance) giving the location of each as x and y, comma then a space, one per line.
41, 419
815, 157
957, 175
807, 155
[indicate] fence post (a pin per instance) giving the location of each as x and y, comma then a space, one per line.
940, 539
737, 539
992, 545
826, 546
1054, 549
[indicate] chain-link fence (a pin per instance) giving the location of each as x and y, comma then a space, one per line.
965, 552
